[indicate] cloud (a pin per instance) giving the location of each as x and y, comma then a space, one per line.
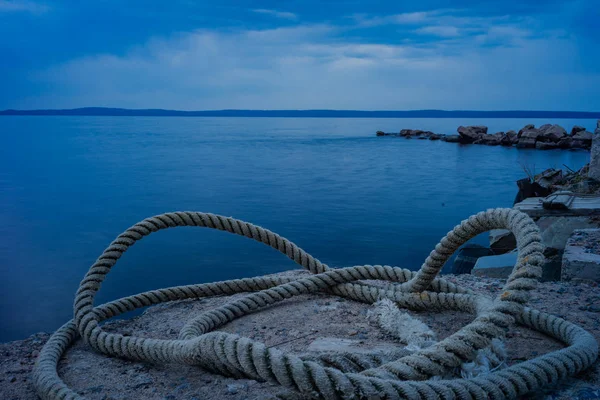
478, 65
22, 6
439, 30
277, 14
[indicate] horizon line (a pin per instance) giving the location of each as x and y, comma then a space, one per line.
431, 113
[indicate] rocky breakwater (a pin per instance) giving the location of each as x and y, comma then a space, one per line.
546, 137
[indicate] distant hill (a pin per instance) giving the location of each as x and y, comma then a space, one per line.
117, 112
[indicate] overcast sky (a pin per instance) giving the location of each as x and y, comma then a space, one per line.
370, 55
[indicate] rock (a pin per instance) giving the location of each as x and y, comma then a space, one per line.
435, 136
490, 140
546, 146
469, 134
452, 138
528, 138
594, 169
579, 144
557, 230
495, 266
584, 136
581, 259
12, 379
502, 241
576, 129
565, 143
527, 127
597, 130
549, 178
381, 133
509, 138
235, 388
551, 133
406, 132
467, 256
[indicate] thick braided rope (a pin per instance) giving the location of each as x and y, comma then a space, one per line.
396, 379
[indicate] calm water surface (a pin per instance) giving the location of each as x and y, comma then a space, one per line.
69, 185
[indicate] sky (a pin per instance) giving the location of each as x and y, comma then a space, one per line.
309, 54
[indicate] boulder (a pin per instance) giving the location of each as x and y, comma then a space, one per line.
527, 127
585, 137
594, 170
579, 144
406, 132
565, 143
467, 256
490, 140
557, 230
381, 133
502, 241
555, 234
581, 259
435, 136
528, 138
549, 178
576, 129
452, 138
509, 138
546, 146
551, 133
469, 134
495, 266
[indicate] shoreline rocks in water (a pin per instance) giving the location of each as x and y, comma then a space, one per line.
546, 137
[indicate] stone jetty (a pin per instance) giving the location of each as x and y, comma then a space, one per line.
546, 137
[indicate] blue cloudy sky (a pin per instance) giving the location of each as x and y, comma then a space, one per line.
387, 55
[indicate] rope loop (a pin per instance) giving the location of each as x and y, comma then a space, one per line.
360, 376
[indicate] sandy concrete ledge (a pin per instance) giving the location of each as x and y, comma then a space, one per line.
294, 325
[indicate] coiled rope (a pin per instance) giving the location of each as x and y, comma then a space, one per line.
406, 377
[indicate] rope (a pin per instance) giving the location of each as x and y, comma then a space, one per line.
346, 376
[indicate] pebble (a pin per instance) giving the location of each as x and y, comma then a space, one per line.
353, 333
233, 389
35, 354
12, 379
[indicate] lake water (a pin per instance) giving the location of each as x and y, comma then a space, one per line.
69, 185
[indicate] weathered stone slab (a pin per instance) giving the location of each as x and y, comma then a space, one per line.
581, 259
495, 266
502, 241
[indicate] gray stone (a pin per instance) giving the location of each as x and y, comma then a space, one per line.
584, 136
435, 136
495, 266
509, 138
469, 134
576, 129
528, 137
565, 143
557, 230
581, 259
549, 178
525, 128
502, 241
490, 140
551, 133
594, 171
451, 138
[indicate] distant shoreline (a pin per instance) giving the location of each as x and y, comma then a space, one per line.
123, 112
